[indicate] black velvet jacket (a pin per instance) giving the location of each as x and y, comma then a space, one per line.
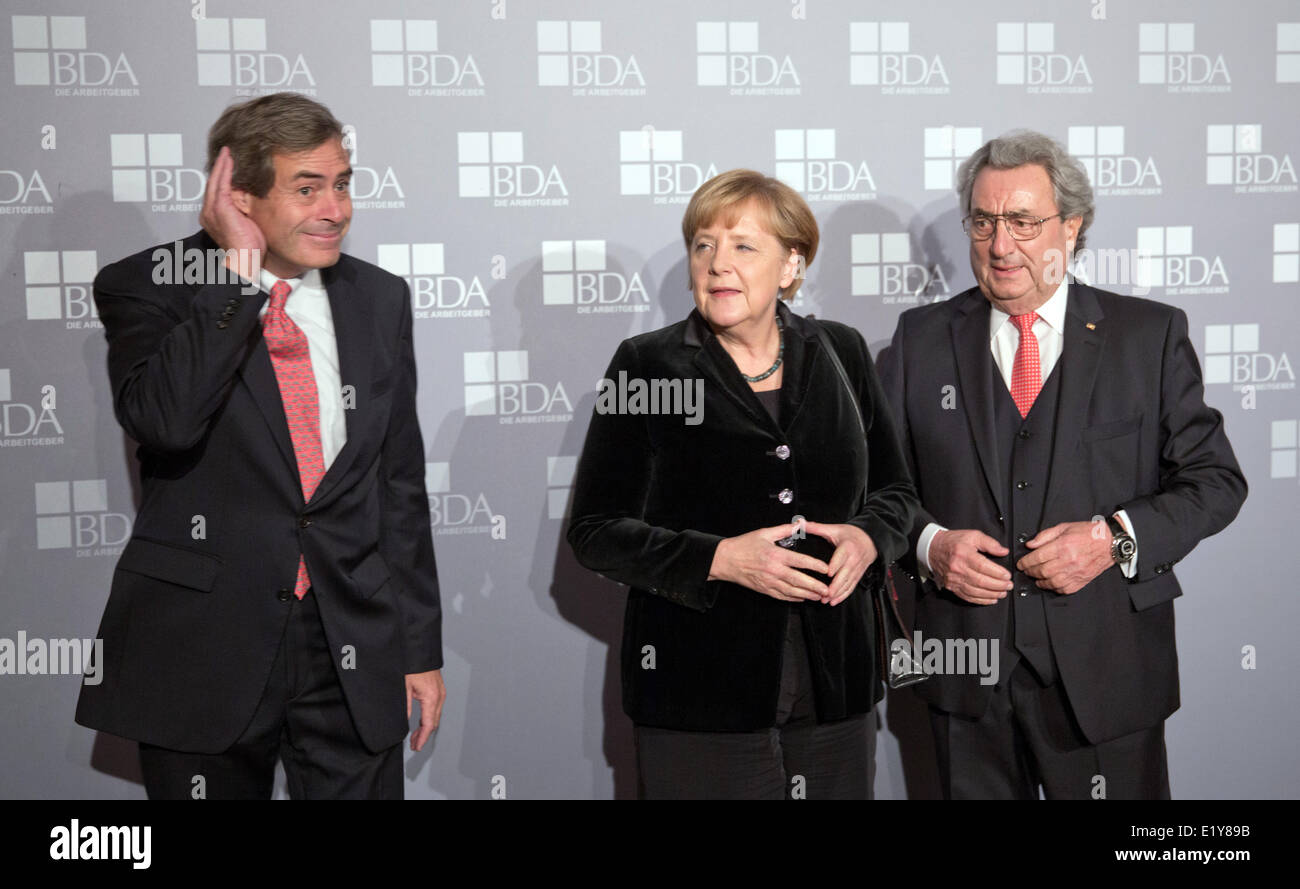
654, 496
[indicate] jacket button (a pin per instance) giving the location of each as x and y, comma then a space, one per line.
1022, 538
222, 325
1020, 486
304, 522
1023, 433
1001, 520
283, 594
783, 452
1023, 591
786, 495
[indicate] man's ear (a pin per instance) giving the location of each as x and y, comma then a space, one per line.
241, 199
1072, 226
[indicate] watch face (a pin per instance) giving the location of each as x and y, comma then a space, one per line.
1125, 548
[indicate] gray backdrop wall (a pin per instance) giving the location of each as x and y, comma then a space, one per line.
525, 166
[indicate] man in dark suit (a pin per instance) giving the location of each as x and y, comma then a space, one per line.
278, 597
1066, 459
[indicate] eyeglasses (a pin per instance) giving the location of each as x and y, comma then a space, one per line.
981, 226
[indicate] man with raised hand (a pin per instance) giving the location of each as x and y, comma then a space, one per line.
278, 598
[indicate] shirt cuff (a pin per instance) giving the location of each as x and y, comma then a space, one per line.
923, 549
1130, 568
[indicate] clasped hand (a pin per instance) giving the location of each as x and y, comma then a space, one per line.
754, 560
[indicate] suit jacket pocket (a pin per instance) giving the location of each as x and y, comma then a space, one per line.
170, 563
1114, 429
370, 576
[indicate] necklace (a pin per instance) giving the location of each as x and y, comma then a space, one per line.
780, 351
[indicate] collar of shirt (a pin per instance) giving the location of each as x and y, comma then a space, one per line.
1051, 313
309, 282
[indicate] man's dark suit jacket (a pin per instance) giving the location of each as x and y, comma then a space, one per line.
1133, 432
194, 620
653, 497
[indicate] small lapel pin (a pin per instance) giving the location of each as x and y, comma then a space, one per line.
1090, 325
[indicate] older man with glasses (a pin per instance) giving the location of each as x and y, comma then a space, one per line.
1065, 459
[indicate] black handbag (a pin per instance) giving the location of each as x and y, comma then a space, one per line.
899, 665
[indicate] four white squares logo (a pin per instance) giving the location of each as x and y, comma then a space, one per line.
638, 150
1286, 253
560, 260
1155, 40
391, 40
483, 370
45, 272
218, 38
868, 252
867, 40
34, 36
56, 501
1154, 243
795, 147
131, 154
1014, 41
1222, 143
945, 149
1089, 143
477, 151
1221, 342
714, 41
555, 40
407, 260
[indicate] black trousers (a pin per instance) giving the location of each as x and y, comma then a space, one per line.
798, 758
302, 720
1029, 737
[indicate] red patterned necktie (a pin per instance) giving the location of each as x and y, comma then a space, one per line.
1027, 372
292, 362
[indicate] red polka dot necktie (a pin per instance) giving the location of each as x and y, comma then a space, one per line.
1027, 372
292, 362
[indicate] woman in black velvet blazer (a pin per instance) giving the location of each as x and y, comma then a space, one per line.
743, 522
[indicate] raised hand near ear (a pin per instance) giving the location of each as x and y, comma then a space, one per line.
224, 217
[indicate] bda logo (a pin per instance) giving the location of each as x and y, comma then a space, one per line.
879, 56
51, 51
574, 274
453, 513
434, 294
28, 425
568, 54
404, 52
496, 383
76, 516
232, 52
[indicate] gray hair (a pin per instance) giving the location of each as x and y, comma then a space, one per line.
1070, 186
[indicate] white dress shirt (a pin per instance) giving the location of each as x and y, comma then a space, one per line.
309, 307
1004, 341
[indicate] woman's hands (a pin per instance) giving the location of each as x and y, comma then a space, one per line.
854, 553
754, 560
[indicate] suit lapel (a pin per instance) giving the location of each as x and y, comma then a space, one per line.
801, 356
353, 333
970, 341
716, 366
1080, 359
